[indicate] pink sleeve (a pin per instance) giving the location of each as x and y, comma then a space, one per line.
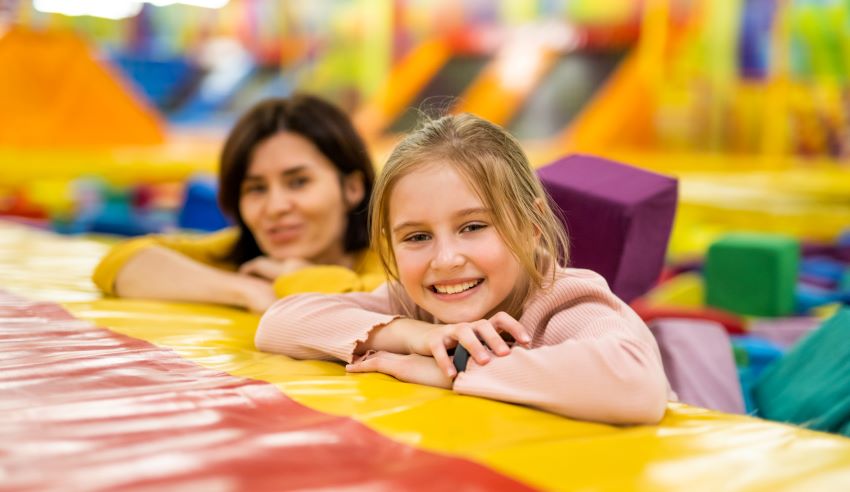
319, 326
595, 360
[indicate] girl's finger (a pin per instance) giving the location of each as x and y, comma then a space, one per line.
363, 365
441, 357
491, 337
506, 323
469, 339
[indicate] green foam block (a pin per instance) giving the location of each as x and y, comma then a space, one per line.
752, 274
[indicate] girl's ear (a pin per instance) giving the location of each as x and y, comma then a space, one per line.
353, 189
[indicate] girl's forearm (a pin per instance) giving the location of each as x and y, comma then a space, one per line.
400, 336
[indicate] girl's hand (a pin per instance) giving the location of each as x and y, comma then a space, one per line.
412, 368
270, 269
473, 336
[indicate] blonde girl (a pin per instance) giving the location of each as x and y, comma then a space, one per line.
475, 258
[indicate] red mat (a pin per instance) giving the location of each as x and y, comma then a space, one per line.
82, 407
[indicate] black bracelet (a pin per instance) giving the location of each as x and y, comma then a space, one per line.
461, 358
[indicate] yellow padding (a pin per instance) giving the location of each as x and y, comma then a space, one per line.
683, 290
692, 449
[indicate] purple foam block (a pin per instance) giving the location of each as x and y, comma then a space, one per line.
785, 332
699, 363
618, 219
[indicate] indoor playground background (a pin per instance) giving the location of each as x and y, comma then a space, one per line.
113, 113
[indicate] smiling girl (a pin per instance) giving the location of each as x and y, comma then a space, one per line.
473, 252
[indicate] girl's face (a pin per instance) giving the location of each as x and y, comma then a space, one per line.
451, 260
294, 201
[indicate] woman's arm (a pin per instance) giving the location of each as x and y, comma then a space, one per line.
157, 272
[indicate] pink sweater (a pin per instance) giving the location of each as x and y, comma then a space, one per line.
591, 356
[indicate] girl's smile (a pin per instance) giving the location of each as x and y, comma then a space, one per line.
456, 291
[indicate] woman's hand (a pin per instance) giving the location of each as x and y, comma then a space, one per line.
411, 368
255, 294
473, 336
270, 269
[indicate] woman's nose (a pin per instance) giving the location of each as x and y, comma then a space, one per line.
278, 201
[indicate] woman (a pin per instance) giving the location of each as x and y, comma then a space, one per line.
296, 178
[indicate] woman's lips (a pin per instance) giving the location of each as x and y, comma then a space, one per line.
284, 234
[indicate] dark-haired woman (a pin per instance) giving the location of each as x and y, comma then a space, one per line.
296, 178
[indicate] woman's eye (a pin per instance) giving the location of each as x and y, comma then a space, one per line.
473, 227
253, 188
415, 238
299, 182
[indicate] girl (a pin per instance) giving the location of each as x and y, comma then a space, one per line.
464, 230
296, 177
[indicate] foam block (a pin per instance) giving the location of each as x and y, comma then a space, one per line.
699, 364
618, 219
760, 353
810, 385
784, 332
753, 274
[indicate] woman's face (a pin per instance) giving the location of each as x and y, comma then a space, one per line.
295, 202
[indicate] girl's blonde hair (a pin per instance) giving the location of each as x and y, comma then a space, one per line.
494, 166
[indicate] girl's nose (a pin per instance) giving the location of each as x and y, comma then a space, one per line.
447, 256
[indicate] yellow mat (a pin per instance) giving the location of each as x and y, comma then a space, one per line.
692, 449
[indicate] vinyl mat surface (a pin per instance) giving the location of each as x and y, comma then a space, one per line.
100, 394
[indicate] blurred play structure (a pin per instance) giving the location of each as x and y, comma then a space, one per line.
743, 101
532, 78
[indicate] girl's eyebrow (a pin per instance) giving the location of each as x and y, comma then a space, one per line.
405, 225
459, 214
472, 211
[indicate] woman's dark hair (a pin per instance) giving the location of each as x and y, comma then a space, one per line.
315, 119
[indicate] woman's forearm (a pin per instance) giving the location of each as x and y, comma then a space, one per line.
160, 273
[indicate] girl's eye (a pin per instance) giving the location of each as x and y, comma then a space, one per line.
473, 227
416, 238
298, 182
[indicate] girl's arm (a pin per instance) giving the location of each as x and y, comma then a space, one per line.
611, 379
156, 272
316, 326
592, 359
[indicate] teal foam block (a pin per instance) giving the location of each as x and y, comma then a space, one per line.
810, 385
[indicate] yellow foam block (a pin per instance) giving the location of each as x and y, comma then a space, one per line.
683, 290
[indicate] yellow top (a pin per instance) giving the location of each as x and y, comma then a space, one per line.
210, 248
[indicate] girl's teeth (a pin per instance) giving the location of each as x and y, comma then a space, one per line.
454, 289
